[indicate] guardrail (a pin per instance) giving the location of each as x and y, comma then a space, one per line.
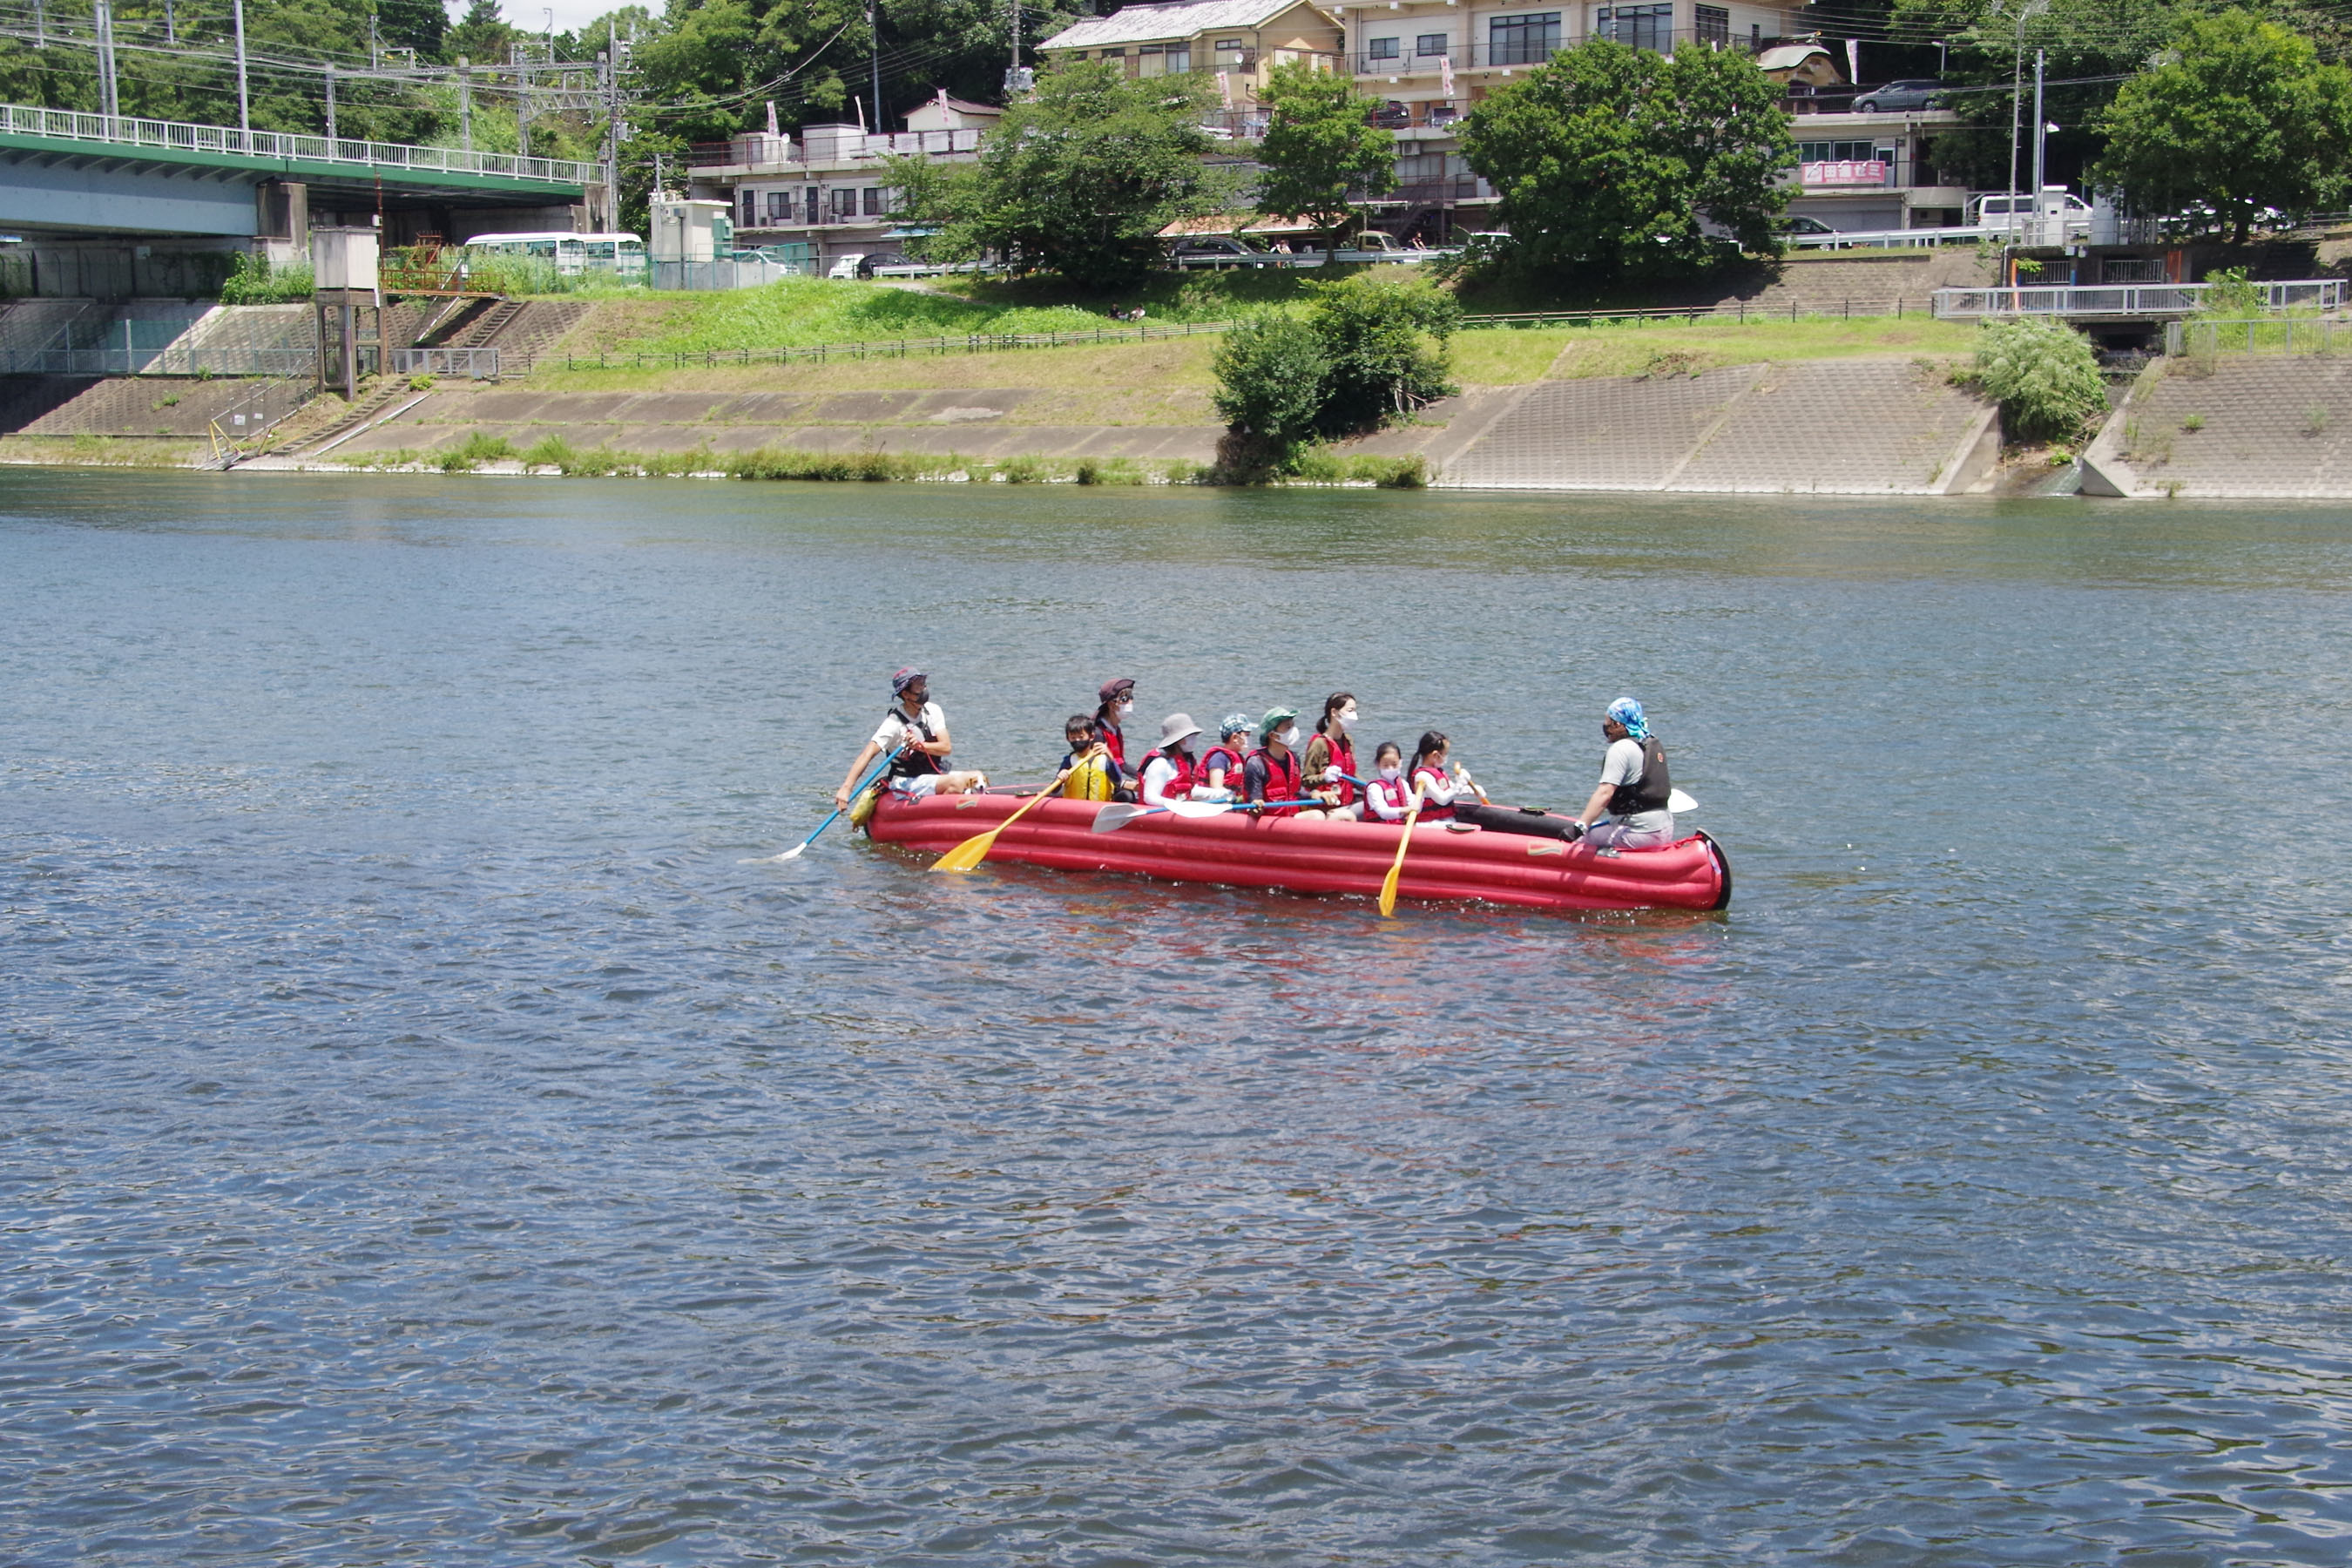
471, 364
2275, 335
2128, 302
1885, 238
73, 125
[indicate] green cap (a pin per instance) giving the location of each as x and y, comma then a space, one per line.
1274, 717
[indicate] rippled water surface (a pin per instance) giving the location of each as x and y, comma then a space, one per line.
423, 1139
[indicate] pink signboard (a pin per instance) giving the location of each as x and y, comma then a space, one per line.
1848, 172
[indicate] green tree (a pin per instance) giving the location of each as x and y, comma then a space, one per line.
1077, 181
1612, 160
1320, 151
2237, 116
482, 36
1385, 333
2045, 376
419, 24
1271, 370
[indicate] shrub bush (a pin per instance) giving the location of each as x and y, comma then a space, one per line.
473, 452
252, 281
2043, 375
1272, 373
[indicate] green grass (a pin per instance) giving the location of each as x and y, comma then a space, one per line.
1689, 347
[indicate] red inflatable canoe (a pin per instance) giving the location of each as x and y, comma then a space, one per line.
1312, 855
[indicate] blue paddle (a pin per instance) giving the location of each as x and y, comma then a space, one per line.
875, 772
1111, 818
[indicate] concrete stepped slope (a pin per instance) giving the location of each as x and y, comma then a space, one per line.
533, 328
2268, 427
1825, 427
29, 325
152, 407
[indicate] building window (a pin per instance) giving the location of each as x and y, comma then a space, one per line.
780, 206
750, 210
1179, 58
1523, 40
1842, 153
845, 203
1228, 43
1714, 26
1643, 27
1755, 37
814, 197
1380, 49
1429, 45
1114, 54
873, 200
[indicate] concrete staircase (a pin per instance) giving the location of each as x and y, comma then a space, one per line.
1830, 283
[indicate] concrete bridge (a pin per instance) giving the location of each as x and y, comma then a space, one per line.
80, 192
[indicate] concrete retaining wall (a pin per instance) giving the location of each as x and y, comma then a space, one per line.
2262, 427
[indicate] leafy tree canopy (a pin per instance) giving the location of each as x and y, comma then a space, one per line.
2237, 116
1610, 158
1320, 151
1077, 180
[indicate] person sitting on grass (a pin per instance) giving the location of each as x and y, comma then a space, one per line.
1386, 797
915, 730
1088, 770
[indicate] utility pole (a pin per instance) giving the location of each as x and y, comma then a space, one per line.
873, 47
110, 102
375, 49
2039, 56
170, 24
41, 25
330, 102
465, 103
523, 97
612, 127
244, 107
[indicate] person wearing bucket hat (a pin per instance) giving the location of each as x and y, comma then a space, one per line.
1272, 771
916, 721
1634, 786
1220, 767
1169, 769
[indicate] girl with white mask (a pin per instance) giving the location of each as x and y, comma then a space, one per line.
1332, 757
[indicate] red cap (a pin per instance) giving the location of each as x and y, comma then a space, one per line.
1112, 689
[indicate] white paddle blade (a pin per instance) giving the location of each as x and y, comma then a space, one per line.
1111, 818
1678, 801
1197, 808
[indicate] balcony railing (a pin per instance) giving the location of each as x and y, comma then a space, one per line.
761, 151
116, 129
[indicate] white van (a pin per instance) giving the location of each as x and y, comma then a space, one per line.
2070, 215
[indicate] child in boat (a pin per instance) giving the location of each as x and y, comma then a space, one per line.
1331, 755
1386, 797
1272, 771
1169, 767
1219, 774
1088, 771
1436, 789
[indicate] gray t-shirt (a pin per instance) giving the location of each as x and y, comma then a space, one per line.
1624, 765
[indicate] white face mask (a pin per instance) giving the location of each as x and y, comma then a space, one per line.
1392, 771
1126, 712
1288, 736
1345, 717
1190, 745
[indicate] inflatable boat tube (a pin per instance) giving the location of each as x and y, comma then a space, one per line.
1317, 855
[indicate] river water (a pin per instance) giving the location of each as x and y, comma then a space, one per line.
423, 1139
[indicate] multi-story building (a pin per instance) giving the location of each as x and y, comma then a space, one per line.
1239, 42
821, 196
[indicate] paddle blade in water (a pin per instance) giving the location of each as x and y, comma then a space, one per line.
1677, 801
1389, 883
968, 855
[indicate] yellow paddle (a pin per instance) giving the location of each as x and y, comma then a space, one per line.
968, 855
1388, 886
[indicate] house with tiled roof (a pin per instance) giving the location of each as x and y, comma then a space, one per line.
1239, 42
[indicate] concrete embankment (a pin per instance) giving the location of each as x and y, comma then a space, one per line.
2233, 427
1866, 427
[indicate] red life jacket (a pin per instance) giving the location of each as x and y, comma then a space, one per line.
1394, 793
1343, 761
1432, 810
1229, 758
1283, 779
1110, 736
1181, 787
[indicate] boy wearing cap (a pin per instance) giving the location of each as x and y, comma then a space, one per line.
1221, 764
1272, 771
916, 721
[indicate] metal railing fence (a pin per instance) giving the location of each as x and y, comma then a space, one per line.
74, 125
2271, 335
2131, 301
467, 363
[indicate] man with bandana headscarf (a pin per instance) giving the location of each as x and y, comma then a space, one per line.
1634, 785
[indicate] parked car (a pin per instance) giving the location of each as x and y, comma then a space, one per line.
1390, 116
1802, 223
844, 268
872, 259
1896, 97
2004, 215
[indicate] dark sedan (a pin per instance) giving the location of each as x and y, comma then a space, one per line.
1898, 96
